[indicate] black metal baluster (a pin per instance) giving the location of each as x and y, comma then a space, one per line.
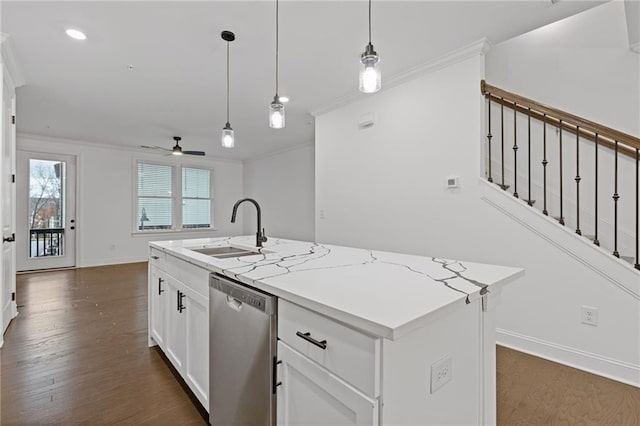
529, 200
561, 219
637, 265
578, 179
544, 165
503, 186
616, 197
515, 151
595, 237
489, 136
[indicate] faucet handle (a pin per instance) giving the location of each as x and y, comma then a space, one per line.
264, 236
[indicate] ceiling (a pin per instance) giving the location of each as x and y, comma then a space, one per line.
83, 90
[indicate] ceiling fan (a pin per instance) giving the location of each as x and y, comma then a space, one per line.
176, 150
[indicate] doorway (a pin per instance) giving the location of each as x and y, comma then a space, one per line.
46, 211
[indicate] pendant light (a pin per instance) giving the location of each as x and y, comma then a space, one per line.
228, 140
276, 109
370, 77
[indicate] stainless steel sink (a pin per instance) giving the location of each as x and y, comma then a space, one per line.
225, 252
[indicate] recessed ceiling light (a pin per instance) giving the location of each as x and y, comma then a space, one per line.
76, 34
283, 99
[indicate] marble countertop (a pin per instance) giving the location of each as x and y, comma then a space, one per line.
384, 294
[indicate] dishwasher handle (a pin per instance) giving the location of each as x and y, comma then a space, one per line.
244, 294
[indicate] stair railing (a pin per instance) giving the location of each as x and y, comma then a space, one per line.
602, 136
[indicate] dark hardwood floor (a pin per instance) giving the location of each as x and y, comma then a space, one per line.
77, 354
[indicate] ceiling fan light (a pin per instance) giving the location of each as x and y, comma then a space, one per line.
228, 139
276, 114
177, 150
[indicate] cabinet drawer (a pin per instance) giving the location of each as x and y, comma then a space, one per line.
347, 353
192, 276
157, 258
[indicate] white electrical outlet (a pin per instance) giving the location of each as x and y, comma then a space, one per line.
590, 315
441, 373
321, 213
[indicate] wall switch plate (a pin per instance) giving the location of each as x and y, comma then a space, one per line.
321, 213
441, 373
590, 315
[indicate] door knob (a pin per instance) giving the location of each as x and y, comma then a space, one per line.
10, 239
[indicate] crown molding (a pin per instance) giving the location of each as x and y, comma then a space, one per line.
104, 145
9, 61
479, 47
278, 152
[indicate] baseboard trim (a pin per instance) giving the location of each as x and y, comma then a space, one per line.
592, 363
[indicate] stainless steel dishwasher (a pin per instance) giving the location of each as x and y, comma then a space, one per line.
242, 350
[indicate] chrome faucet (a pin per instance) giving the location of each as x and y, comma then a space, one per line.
260, 236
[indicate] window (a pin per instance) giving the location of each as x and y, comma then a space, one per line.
173, 197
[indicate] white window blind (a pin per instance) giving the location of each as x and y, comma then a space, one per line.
196, 198
173, 197
155, 197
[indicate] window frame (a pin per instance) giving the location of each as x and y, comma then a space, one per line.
176, 200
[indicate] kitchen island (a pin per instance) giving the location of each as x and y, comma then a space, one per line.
411, 338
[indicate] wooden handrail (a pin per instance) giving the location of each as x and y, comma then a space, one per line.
588, 129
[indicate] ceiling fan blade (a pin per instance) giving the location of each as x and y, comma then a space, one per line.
193, 152
154, 147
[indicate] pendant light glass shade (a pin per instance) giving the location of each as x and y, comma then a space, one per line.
228, 140
370, 75
276, 114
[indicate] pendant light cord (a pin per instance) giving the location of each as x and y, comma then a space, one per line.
227, 82
277, 44
369, 21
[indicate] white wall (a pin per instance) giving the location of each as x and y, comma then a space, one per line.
105, 199
384, 188
284, 185
581, 64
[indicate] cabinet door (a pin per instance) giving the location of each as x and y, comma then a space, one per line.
157, 300
197, 362
311, 395
176, 325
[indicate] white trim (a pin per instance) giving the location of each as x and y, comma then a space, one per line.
9, 60
105, 145
635, 47
616, 271
471, 50
278, 152
593, 363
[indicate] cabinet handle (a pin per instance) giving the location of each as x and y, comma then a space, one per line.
178, 299
160, 290
275, 382
155, 257
181, 306
307, 336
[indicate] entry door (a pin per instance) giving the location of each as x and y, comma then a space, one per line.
46, 211
7, 211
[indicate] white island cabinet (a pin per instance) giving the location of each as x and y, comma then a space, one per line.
364, 337
179, 318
